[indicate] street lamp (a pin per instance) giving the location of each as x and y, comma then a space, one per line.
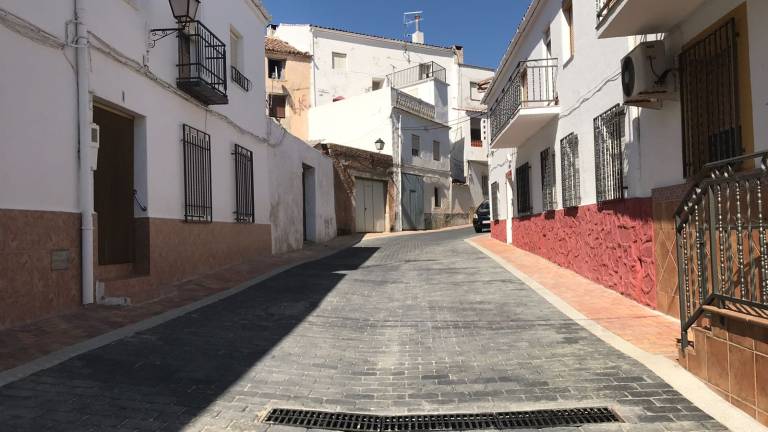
184, 11
379, 143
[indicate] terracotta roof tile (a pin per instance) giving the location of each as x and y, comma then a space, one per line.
272, 44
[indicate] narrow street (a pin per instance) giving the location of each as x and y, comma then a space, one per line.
410, 324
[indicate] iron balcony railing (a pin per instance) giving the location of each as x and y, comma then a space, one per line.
240, 79
412, 104
532, 85
722, 241
415, 74
202, 64
604, 9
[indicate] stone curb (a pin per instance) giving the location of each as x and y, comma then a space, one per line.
670, 371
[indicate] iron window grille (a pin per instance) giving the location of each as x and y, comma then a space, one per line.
548, 179
495, 201
197, 175
569, 170
240, 79
202, 64
710, 100
532, 85
609, 154
243, 185
523, 186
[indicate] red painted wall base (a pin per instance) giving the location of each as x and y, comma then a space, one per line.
499, 230
610, 243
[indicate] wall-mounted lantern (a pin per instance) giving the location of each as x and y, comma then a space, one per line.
184, 11
379, 143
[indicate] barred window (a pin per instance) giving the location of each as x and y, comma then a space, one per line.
243, 185
523, 183
495, 201
548, 179
569, 170
609, 154
197, 175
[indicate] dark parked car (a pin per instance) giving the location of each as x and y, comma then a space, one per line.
482, 217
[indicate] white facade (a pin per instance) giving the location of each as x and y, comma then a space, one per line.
588, 83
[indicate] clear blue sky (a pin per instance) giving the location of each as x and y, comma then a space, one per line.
484, 28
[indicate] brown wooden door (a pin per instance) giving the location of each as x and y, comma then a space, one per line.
113, 187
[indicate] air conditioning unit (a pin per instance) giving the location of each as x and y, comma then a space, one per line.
94, 147
646, 76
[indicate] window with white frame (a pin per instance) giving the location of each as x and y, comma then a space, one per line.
235, 48
338, 61
415, 145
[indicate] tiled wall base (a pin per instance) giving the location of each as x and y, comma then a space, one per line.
610, 243
30, 287
732, 357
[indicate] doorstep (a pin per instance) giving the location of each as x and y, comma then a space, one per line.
643, 327
22, 344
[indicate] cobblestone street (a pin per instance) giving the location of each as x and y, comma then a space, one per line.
410, 324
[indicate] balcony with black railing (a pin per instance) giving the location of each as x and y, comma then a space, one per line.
619, 18
202, 64
526, 103
416, 74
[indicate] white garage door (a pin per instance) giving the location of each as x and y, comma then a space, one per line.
369, 205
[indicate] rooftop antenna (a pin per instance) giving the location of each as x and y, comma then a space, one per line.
411, 18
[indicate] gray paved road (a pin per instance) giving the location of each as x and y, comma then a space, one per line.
419, 323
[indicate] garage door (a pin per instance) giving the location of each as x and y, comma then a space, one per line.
369, 205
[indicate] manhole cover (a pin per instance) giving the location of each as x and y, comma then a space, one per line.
351, 422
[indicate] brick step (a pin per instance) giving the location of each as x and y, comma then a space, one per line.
133, 290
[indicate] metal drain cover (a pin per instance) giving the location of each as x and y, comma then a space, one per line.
351, 422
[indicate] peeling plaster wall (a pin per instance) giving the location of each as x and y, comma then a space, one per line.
286, 198
611, 244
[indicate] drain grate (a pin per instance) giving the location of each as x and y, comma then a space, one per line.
350, 422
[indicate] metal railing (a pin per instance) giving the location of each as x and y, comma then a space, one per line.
722, 241
415, 74
240, 79
604, 9
244, 208
412, 104
532, 85
198, 194
202, 64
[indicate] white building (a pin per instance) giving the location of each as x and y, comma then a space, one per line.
189, 175
359, 93
592, 155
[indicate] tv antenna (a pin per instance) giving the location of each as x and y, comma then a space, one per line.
411, 18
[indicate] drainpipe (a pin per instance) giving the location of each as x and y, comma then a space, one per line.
84, 141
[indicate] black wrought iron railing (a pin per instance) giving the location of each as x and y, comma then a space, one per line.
722, 241
198, 194
415, 74
240, 79
523, 188
604, 9
202, 64
244, 208
532, 85
412, 104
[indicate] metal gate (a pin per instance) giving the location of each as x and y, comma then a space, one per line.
370, 202
412, 198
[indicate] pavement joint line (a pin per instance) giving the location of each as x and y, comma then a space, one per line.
49, 360
668, 370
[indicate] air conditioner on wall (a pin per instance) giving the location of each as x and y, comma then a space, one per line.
647, 76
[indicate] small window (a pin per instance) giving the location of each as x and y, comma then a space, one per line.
436, 150
277, 106
377, 84
569, 32
474, 91
244, 209
235, 49
438, 201
523, 183
475, 132
484, 186
276, 69
415, 145
339, 61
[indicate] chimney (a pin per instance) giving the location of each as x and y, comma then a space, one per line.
418, 35
458, 54
271, 29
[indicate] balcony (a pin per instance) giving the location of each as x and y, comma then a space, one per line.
202, 65
415, 74
412, 104
618, 18
527, 103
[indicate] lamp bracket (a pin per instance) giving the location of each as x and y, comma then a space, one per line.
160, 33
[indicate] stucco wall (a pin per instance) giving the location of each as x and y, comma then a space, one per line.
296, 85
285, 162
